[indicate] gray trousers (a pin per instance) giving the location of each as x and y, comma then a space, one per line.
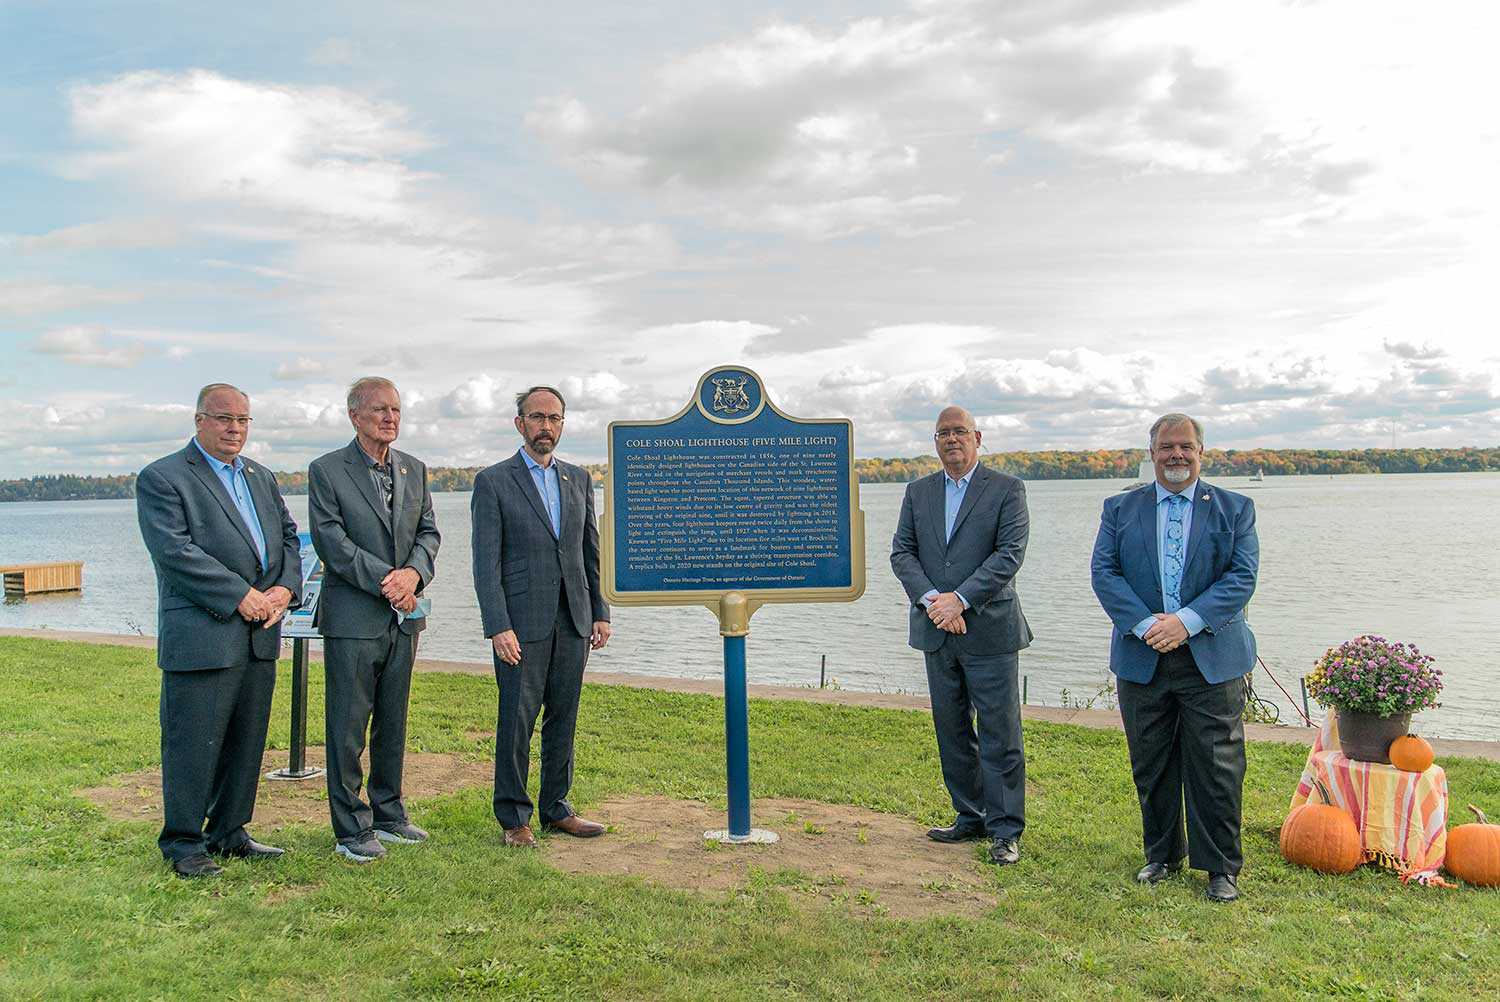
1187, 744
976, 711
549, 676
368, 684
213, 738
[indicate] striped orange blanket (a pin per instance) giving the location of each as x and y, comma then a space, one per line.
1402, 816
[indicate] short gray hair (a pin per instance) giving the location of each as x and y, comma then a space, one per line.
1173, 420
525, 394
212, 388
359, 390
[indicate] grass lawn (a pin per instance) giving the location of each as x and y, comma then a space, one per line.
88, 909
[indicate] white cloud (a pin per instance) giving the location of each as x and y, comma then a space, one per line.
25, 297
201, 136
298, 368
90, 346
473, 397
110, 234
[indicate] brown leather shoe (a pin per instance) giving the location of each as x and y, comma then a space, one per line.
575, 826
520, 838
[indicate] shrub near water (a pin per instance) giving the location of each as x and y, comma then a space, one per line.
1370, 674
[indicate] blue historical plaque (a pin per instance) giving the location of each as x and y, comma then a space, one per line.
732, 495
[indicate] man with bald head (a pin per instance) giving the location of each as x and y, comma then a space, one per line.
228, 566
959, 543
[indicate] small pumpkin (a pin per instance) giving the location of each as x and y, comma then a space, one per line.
1474, 851
1410, 753
1322, 836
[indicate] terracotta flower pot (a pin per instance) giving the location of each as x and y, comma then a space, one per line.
1367, 737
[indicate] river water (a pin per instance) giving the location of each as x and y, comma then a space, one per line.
1410, 557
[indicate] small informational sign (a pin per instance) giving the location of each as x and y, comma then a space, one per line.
731, 494
298, 624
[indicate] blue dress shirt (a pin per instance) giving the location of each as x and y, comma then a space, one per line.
545, 478
1190, 619
953, 500
232, 476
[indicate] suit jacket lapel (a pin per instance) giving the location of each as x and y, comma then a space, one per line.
265, 511
979, 482
565, 503
398, 497
215, 487
1202, 507
1147, 521
937, 509
522, 474
358, 468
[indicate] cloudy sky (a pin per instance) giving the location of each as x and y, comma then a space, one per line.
1069, 215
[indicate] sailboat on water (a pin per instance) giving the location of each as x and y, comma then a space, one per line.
1145, 475
1260, 473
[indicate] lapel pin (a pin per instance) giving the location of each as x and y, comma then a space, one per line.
564, 476
1205, 497
403, 471
249, 469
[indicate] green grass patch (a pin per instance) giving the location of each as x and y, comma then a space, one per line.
88, 910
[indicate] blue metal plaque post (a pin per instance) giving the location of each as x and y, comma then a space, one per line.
734, 624
737, 737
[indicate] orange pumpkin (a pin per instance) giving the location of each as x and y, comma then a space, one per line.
1410, 753
1474, 851
1321, 836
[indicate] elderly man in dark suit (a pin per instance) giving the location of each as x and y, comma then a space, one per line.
228, 566
959, 543
1174, 566
373, 527
536, 574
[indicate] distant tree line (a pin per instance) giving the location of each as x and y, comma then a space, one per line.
1098, 464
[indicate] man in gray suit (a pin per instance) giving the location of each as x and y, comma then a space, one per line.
228, 565
536, 574
373, 527
959, 542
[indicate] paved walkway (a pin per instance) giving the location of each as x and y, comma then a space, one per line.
1103, 719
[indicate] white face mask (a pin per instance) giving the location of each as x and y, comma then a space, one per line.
1177, 474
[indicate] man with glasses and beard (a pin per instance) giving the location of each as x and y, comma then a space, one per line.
228, 566
1174, 566
536, 575
959, 542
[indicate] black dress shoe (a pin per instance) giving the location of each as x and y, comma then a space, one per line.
250, 849
1222, 887
956, 833
1155, 873
196, 865
1005, 851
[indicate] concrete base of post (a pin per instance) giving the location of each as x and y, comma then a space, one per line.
311, 772
756, 836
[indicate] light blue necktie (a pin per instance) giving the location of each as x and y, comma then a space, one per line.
1173, 552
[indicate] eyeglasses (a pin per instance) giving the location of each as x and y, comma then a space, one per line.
228, 420
943, 433
537, 417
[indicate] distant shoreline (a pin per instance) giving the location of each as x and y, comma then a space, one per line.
1096, 464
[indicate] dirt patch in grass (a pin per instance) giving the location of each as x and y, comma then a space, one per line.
872, 863
827, 855
136, 796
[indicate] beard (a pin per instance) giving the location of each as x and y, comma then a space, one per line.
541, 446
1177, 474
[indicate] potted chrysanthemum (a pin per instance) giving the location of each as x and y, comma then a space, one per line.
1375, 685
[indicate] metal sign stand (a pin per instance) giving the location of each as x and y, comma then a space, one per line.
298, 768
734, 626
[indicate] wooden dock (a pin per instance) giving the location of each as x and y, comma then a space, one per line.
30, 579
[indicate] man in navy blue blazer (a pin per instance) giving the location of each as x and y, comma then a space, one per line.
1174, 566
959, 543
